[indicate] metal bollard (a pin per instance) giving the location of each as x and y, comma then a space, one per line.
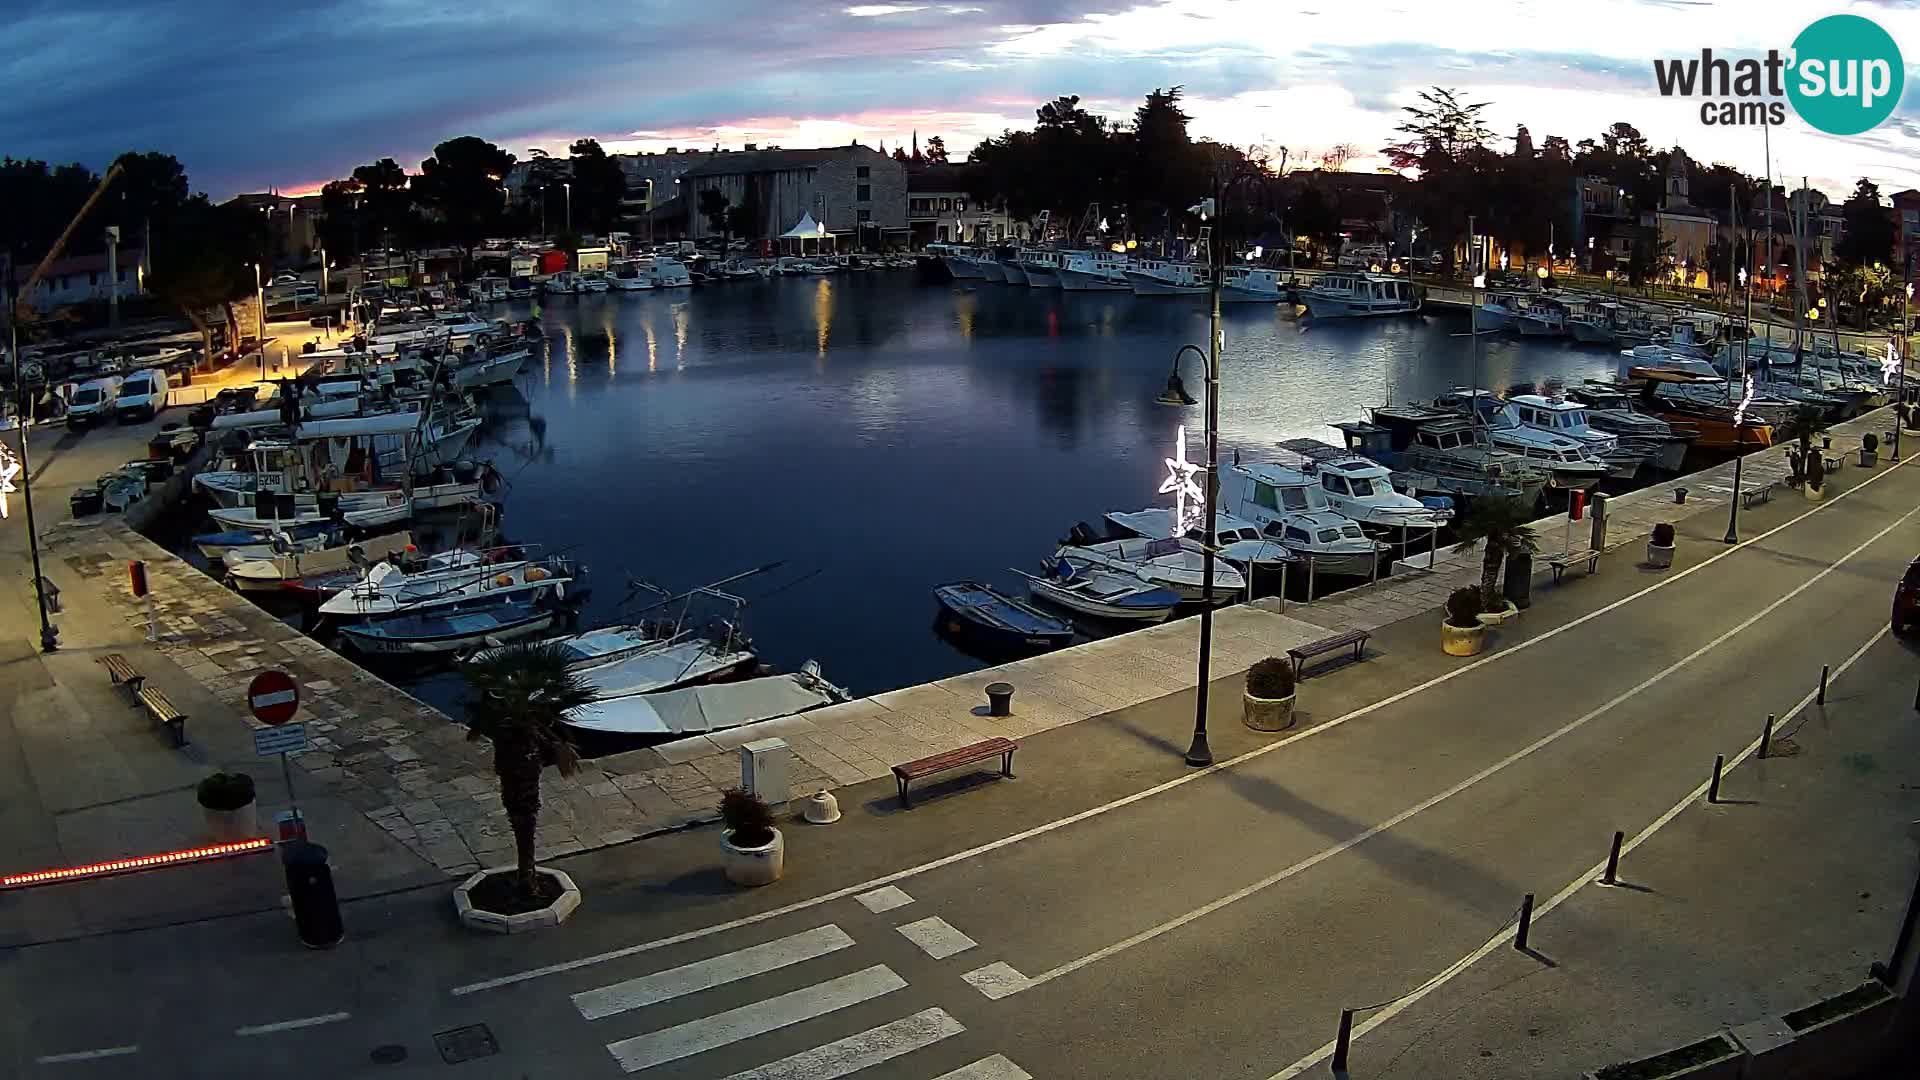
1766, 736
1613, 860
1824, 669
1713, 789
1342, 1041
1526, 923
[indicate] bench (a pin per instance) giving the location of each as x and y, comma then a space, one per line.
122, 672
1755, 496
163, 712
1832, 463
1300, 654
952, 759
1565, 560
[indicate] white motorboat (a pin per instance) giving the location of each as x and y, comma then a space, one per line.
693, 710
962, 263
1568, 462
1162, 277
1042, 267
663, 271
1359, 295
1235, 539
1363, 490
1251, 285
1568, 420
1094, 271
1101, 593
625, 276
492, 368
263, 568
394, 511
457, 577
593, 282
1291, 507
623, 660
1176, 564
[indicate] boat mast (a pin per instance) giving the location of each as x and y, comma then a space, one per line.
1799, 222
1766, 139
1733, 227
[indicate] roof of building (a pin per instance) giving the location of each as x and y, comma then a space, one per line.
735, 162
78, 264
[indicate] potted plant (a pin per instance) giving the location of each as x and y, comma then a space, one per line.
1461, 632
753, 850
1806, 422
226, 801
518, 697
1268, 704
1815, 488
1869, 450
1660, 547
1500, 527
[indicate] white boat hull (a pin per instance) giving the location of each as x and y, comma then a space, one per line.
1041, 277
963, 269
1148, 285
1014, 274
1082, 281
1322, 306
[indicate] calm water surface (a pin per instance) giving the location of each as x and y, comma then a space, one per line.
884, 436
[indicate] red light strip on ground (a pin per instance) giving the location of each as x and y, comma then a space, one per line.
141, 862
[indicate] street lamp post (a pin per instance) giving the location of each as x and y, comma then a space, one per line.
1739, 419
1900, 384
568, 188
260, 319
49, 637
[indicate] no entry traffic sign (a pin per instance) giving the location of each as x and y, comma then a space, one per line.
273, 696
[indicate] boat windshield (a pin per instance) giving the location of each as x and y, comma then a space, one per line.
87, 395
1362, 487
1294, 498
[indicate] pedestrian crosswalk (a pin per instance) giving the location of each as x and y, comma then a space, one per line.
790, 1018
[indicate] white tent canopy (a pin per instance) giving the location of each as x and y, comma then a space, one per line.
805, 229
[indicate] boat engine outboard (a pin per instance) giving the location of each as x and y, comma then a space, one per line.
1082, 534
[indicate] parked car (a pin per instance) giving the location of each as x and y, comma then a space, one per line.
92, 401
1906, 598
142, 395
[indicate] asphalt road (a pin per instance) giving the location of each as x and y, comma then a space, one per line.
1177, 925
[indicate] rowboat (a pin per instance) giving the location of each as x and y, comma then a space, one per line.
981, 612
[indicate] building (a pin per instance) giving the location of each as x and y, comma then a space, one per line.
941, 209
1603, 230
293, 225
1906, 231
1682, 230
856, 192
652, 178
82, 279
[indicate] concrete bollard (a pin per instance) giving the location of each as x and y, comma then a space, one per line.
1825, 669
1713, 789
999, 699
1526, 923
1611, 877
1766, 736
1342, 1041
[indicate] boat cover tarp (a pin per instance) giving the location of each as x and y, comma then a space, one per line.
695, 709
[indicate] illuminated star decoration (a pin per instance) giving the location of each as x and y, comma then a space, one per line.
1740, 414
1180, 473
1889, 367
9, 468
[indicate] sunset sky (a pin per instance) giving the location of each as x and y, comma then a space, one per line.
251, 95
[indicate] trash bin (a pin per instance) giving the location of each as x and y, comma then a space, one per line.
1518, 586
316, 910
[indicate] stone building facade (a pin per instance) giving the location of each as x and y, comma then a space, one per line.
857, 193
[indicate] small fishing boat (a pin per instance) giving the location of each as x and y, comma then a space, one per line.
693, 710
450, 578
396, 509
1177, 563
215, 545
968, 607
283, 565
1101, 593
453, 630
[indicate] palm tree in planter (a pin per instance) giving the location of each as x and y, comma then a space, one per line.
519, 696
1806, 422
1499, 526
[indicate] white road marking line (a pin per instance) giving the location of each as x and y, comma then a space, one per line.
86, 1055
936, 937
1425, 804
758, 1018
1505, 937
292, 1025
1158, 789
856, 1052
996, 980
706, 974
996, 1067
886, 899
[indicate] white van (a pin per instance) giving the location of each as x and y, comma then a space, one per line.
92, 401
142, 395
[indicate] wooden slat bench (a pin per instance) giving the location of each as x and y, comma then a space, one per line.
1300, 654
122, 672
1754, 496
1562, 562
986, 749
163, 712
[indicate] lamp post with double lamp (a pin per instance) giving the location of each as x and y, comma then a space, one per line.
260, 319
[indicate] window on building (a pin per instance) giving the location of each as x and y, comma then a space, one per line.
864, 193
864, 216
861, 172
946, 204
941, 232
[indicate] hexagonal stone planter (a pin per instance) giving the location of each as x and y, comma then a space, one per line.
553, 914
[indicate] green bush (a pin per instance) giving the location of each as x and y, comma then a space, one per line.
1464, 607
1816, 471
1271, 678
1869, 442
1663, 535
746, 816
226, 791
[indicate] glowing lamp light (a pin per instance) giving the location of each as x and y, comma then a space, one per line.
1180, 474
1503, 260
141, 862
1813, 314
1375, 268
1395, 267
1542, 272
1131, 244
1740, 414
1889, 366
1117, 246
9, 468
1479, 281
1259, 251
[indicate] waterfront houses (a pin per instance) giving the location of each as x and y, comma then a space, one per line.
853, 192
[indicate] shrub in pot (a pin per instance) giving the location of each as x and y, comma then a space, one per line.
226, 802
1660, 547
1461, 633
1268, 702
753, 849
1869, 450
1815, 488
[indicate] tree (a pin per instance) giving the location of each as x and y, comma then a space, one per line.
342, 217
598, 186
206, 266
519, 697
151, 186
713, 206
462, 181
1443, 121
936, 150
1646, 257
39, 200
900, 154
386, 203
1869, 231
1499, 526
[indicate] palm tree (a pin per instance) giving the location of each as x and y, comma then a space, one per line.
1806, 422
1501, 524
518, 698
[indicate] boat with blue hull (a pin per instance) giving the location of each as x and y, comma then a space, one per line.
454, 629
993, 618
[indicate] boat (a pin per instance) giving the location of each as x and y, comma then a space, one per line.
984, 614
962, 263
1595, 325
1235, 539
497, 365
1568, 420
453, 629
1176, 564
1439, 452
1663, 444
1008, 261
624, 276
395, 509
1251, 285
1542, 317
1359, 295
1288, 506
990, 268
1363, 490
1164, 277
1720, 425
252, 569
1568, 462
1042, 267
455, 577
1094, 271
215, 545
1101, 593
1499, 311
694, 710
664, 271
593, 281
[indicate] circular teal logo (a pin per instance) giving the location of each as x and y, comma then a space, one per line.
1847, 74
